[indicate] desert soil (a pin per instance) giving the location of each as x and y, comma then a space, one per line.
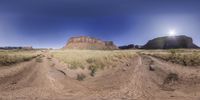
141, 78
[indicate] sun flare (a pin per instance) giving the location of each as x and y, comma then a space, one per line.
172, 33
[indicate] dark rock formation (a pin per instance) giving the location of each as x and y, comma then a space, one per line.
170, 42
138, 46
85, 42
130, 46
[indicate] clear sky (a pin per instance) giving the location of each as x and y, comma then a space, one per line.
50, 23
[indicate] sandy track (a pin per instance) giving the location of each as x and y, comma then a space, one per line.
33, 80
50, 80
187, 86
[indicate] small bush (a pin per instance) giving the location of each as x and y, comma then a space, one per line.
171, 77
93, 69
81, 77
27, 58
96, 64
93, 72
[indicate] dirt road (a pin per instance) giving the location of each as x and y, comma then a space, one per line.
145, 78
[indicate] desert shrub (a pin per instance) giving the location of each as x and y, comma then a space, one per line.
93, 68
95, 65
80, 77
93, 71
27, 58
171, 77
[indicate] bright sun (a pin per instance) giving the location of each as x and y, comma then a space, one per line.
172, 33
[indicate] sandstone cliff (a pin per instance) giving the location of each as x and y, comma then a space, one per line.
85, 42
170, 42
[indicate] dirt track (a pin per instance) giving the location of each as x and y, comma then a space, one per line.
50, 80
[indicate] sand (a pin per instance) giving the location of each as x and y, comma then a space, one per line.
130, 80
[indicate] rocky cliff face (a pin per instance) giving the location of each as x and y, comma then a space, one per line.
85, 42
170, 42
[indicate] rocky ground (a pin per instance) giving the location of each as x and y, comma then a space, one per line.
143, 78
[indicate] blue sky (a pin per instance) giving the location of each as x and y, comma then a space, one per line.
50, 23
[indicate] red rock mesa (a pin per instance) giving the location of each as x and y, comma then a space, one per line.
85, 42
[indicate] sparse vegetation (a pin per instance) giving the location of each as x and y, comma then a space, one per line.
180, 57
93, 69
92, 59
75, 65
9, 57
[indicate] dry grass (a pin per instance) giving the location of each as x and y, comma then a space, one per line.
91, 59
185, 58
9, 57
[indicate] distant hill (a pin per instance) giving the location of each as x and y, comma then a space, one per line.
130, 46
85, 42
11, 48
170, 42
